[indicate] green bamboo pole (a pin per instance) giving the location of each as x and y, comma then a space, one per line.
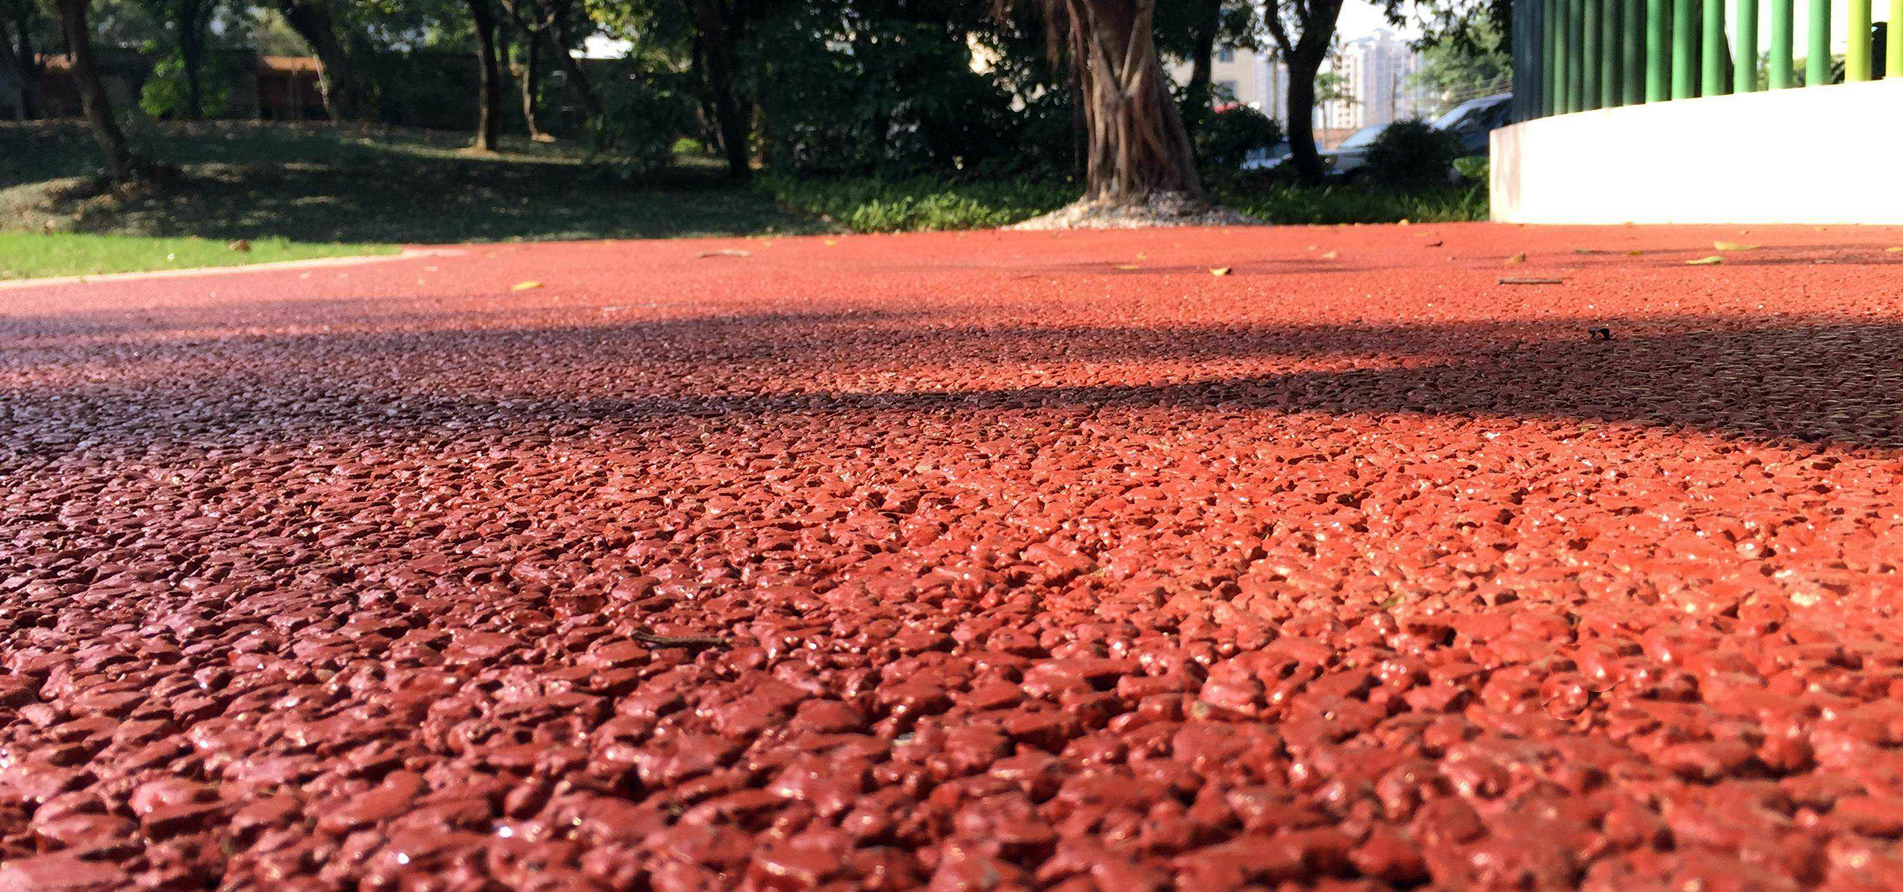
1685, 48
1634, 51
1549, 67
1564, 67
1589, 54
1779, 70
1893, 47
1658, 54
1712, 57
1817, 62
1609, 59
1527, 52
1576, 56
1857, 55
1744, 60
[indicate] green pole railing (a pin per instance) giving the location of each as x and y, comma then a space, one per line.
1817, 61
1857, 54
1609, 36
1744, 61
1893, 45
1576, 56
1634, 51
1549, 70
1711, 57
1561, 93
1781, 67
1589, 54
1685, 48
1658, 58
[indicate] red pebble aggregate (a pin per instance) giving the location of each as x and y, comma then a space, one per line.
1048, 561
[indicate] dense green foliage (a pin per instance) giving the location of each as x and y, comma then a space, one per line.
642, 119
869, 204
1412, 155
163, 95
1225, 136
1454, 71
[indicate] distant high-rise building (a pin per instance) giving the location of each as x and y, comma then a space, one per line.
1372, 76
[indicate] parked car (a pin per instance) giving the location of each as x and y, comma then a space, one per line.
1339, 162
1262, 159
1474, 119
1471, 121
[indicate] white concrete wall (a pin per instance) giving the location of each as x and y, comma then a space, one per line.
1812, 155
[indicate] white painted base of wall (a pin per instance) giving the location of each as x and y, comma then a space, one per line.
1814, 155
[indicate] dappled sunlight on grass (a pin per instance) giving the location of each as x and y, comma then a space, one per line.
323, 183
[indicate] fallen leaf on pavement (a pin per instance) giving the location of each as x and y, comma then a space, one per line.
1713, 260
1517, 258
1219, 271
524, 286
1733, 246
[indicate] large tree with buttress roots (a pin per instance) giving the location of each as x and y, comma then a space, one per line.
1137, 150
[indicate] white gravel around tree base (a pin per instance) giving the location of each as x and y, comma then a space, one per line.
1160, 209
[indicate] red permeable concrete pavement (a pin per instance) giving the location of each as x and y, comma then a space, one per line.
1046, 562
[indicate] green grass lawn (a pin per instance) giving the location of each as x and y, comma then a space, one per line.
32, 255
324, 190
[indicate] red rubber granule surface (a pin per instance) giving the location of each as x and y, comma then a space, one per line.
1047, 562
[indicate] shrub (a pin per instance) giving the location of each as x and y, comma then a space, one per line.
1412, 155
642, 118
873, 204
850, 94
1473, 167
163, 95
1226, 135
916, 204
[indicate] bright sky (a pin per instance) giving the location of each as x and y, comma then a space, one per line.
1360, 18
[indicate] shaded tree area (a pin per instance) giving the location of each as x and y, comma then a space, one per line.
121, 165
1050, 89
23, 27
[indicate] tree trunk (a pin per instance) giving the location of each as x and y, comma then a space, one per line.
1137, 144
489, 89
717, 59
120, 165
1301, 121
191, 53
20, 59
530, 82
343, 94
1304, 54
1208, 22
577, 76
